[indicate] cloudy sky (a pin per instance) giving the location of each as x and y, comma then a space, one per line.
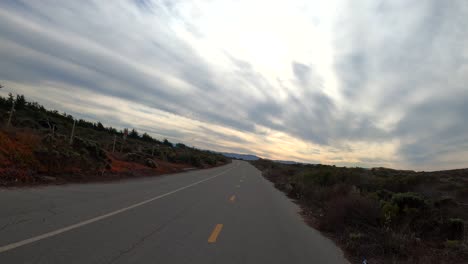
355, 83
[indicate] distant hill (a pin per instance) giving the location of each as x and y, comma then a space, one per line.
289, 162
240, 156
253, 157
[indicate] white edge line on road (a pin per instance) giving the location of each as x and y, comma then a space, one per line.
95, 219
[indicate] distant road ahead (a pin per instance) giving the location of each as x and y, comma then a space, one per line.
229, 214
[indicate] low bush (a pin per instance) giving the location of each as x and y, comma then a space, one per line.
322, 178
352, 211
384, 194
455, 229
196, 161
210, 160
409, 200
452, 243
463, 193
16, 150
396, 244
390, 212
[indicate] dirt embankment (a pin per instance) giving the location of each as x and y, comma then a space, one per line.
29, 157
39, 146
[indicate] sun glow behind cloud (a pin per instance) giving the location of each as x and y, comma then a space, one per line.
369, 83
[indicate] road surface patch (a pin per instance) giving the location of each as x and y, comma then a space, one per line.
214, 235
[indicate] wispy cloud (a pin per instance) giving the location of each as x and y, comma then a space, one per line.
372, 83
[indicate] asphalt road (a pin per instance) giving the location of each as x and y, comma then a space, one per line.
229, 214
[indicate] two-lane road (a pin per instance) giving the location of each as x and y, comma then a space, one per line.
229, 214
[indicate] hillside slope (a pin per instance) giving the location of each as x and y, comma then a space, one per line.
36, 147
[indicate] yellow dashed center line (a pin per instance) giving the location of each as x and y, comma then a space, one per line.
215, 233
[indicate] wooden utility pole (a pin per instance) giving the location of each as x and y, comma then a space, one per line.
152, 152
113, 146
125, 134
11, 113
72, 132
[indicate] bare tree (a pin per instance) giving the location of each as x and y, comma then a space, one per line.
52, 127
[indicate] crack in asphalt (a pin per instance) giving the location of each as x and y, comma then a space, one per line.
13, 223
153, 232
52, 209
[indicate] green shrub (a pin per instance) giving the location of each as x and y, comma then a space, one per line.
463, 193
445, 202
453, 244
448, 187
409, 200
88, 147
353, 211
195, 161
396, 244
183, 158
397, 182
357, 243
209, 160
384, 195
356, 236
390, 212
455, 229
322, 178
170, 155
